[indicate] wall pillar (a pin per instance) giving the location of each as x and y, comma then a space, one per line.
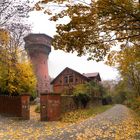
25, 106
50, 107
43, 107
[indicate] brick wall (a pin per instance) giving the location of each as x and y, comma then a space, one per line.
68, 104
94, 101
17, 106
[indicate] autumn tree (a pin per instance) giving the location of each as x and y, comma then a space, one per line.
16, 76
12, 15
103, 30
127, 61
95, 27
18, 79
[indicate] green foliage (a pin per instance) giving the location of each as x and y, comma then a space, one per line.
96, 89
80, 88
81, 98
81, 95
107, 100
33, 95
83, 92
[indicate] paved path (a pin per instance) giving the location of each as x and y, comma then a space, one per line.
117, 123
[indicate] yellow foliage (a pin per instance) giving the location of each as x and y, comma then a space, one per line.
27, 78
127, 61
75, 116
18, 79
4, 36
95, 26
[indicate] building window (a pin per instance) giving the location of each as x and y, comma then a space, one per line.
76, 80
65, 79
70, 79
60, 81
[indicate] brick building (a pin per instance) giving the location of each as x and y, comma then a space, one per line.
68, 78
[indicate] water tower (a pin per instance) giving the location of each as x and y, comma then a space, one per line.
38, 47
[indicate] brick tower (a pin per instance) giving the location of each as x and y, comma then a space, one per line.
38, 47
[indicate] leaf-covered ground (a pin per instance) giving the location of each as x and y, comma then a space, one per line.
82, 114
117, 123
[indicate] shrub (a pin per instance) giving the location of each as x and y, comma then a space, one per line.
82, 98
134, 104
33, 96
76, 100
107, 100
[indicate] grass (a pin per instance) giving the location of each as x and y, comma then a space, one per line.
82, 114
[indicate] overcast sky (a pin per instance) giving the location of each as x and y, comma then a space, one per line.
58, 60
